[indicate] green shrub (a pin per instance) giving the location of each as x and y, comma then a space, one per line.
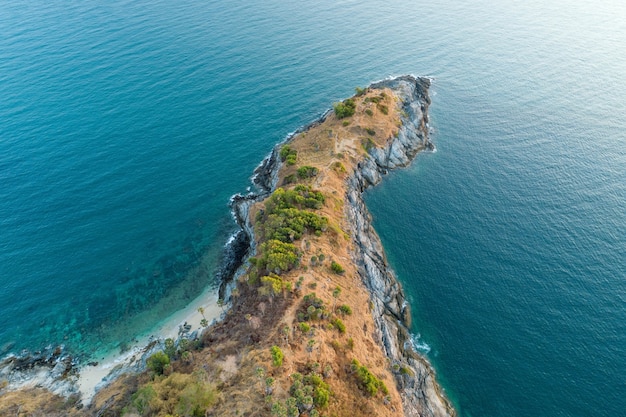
304, 327
369, 112
285, 220
321, 390
277, 356
311, 308
286, 152
368, 144
370, 131
339, 167
336, 268
275, 284
345, 309
157, 362
360, 91
383, 109
367, 381
278, 409
292, 407
290, 179
345, 123
291, 159
350, 344
170, 347
195, 399
345, 109
338, 324
321, 396
278, 256
307, 171
142, 399
406, 371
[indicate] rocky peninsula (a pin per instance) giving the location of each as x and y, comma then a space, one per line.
317, 323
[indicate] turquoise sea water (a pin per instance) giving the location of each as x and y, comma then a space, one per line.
125, 128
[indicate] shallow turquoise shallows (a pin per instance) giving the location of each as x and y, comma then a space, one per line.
125, 127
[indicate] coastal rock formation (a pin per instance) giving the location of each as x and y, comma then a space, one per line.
415, 377
52, 368
420, 392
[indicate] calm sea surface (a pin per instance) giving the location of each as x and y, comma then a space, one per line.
125, 128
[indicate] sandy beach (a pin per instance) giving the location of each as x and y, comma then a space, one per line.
91, 376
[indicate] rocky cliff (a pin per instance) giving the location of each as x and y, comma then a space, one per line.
420, 392
415, 377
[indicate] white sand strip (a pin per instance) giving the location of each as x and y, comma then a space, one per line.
91, 376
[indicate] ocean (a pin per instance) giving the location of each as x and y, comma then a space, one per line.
125, 127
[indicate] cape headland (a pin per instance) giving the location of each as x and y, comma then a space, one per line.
317, 322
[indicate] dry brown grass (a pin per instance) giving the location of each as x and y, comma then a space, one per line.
333, 147
36, 402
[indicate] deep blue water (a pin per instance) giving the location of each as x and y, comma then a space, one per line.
125, 128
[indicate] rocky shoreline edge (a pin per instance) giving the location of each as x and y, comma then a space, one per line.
415, 376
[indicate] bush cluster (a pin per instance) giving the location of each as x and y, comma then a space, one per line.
345, 309
338, 324
367, 381
307, 171
277, 256
307, 393
376, 99
368, 144
158, 362
302, 196
311, 308
309, 390
360, 91
277, 356
339, 167
274, 284
288, 155
337, 268
178, 394
284, 218
345, 109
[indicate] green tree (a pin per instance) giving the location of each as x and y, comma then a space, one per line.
345, 109
277, 356
157, 362
307, 171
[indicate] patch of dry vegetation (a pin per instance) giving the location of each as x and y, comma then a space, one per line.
36, 402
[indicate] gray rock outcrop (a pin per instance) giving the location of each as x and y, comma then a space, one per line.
421, 394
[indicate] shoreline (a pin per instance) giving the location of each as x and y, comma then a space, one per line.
60, 374
422, 395
418, 392
92, 378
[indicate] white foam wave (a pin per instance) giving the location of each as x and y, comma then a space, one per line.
419, 345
